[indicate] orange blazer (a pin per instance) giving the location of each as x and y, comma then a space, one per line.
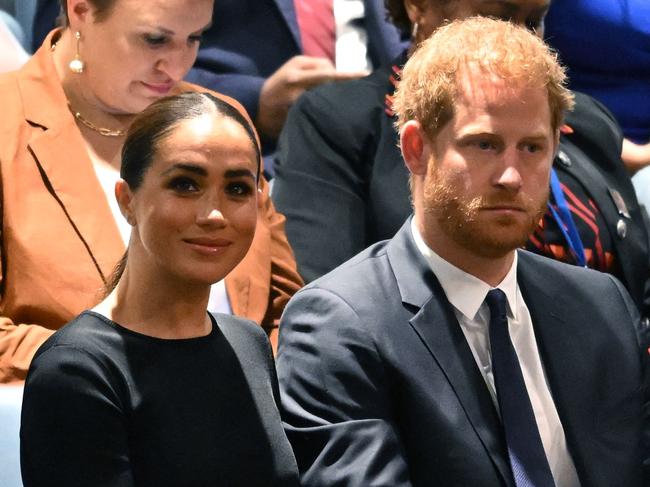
59, 238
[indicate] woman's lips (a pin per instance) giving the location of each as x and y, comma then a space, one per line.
159, 88
208, 246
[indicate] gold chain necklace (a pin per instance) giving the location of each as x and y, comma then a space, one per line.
100, 130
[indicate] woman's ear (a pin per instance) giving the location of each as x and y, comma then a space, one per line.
415, 9
414, 145
79, 12
124, 197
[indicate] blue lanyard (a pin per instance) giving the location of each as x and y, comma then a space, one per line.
565, 221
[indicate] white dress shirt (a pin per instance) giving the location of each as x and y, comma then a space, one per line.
467, 293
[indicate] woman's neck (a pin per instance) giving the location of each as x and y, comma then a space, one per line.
81, 97
158, 306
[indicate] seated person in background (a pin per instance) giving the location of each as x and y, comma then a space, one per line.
65, 115
342, 184
148, 389
13, 54
447, 356
266, 53
605, 44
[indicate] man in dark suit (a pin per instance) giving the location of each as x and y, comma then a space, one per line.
445, 356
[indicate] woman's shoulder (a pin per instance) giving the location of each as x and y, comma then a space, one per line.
245, 336
238, 327
89, 334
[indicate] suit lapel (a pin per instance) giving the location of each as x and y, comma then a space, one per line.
67, 172
288, 11
436, 325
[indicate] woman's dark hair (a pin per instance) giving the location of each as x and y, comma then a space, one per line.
161, 117
155, 123
101, 10
397, 14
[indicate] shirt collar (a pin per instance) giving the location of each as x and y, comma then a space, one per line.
465, 291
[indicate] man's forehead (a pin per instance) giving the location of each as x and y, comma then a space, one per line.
475, 84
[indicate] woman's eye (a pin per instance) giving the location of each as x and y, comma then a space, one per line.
239, 189
155, 39
184, 185
195, 39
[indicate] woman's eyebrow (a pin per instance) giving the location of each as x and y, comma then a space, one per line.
237, 173
186, 167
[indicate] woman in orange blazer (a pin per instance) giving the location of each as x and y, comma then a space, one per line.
60, 238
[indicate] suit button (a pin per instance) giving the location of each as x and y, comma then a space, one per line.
621, 229
645, 323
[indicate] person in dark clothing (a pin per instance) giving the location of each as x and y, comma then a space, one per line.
147, 388
341, 182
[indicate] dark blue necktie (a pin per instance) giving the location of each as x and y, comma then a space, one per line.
527, 458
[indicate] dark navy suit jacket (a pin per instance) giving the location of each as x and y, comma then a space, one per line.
379, 386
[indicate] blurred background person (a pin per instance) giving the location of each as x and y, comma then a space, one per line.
606, 46
13, 38
65, 117
13, 54
266, 53
147, 388
342, 184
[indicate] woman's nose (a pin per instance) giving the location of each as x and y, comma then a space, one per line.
213, 217
176, 64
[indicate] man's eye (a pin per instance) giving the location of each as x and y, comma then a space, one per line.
184, 185
484, 145
532, 148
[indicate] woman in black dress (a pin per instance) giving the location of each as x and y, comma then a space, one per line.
147, 388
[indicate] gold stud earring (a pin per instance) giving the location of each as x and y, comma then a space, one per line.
77, 65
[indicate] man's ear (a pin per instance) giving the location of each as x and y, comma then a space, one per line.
124, 197
415, 148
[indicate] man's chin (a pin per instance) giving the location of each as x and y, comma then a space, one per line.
496, 243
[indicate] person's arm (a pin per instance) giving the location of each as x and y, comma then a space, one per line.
320, 183
267, 100
18, 343
73, 427
336, 397
635, 156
